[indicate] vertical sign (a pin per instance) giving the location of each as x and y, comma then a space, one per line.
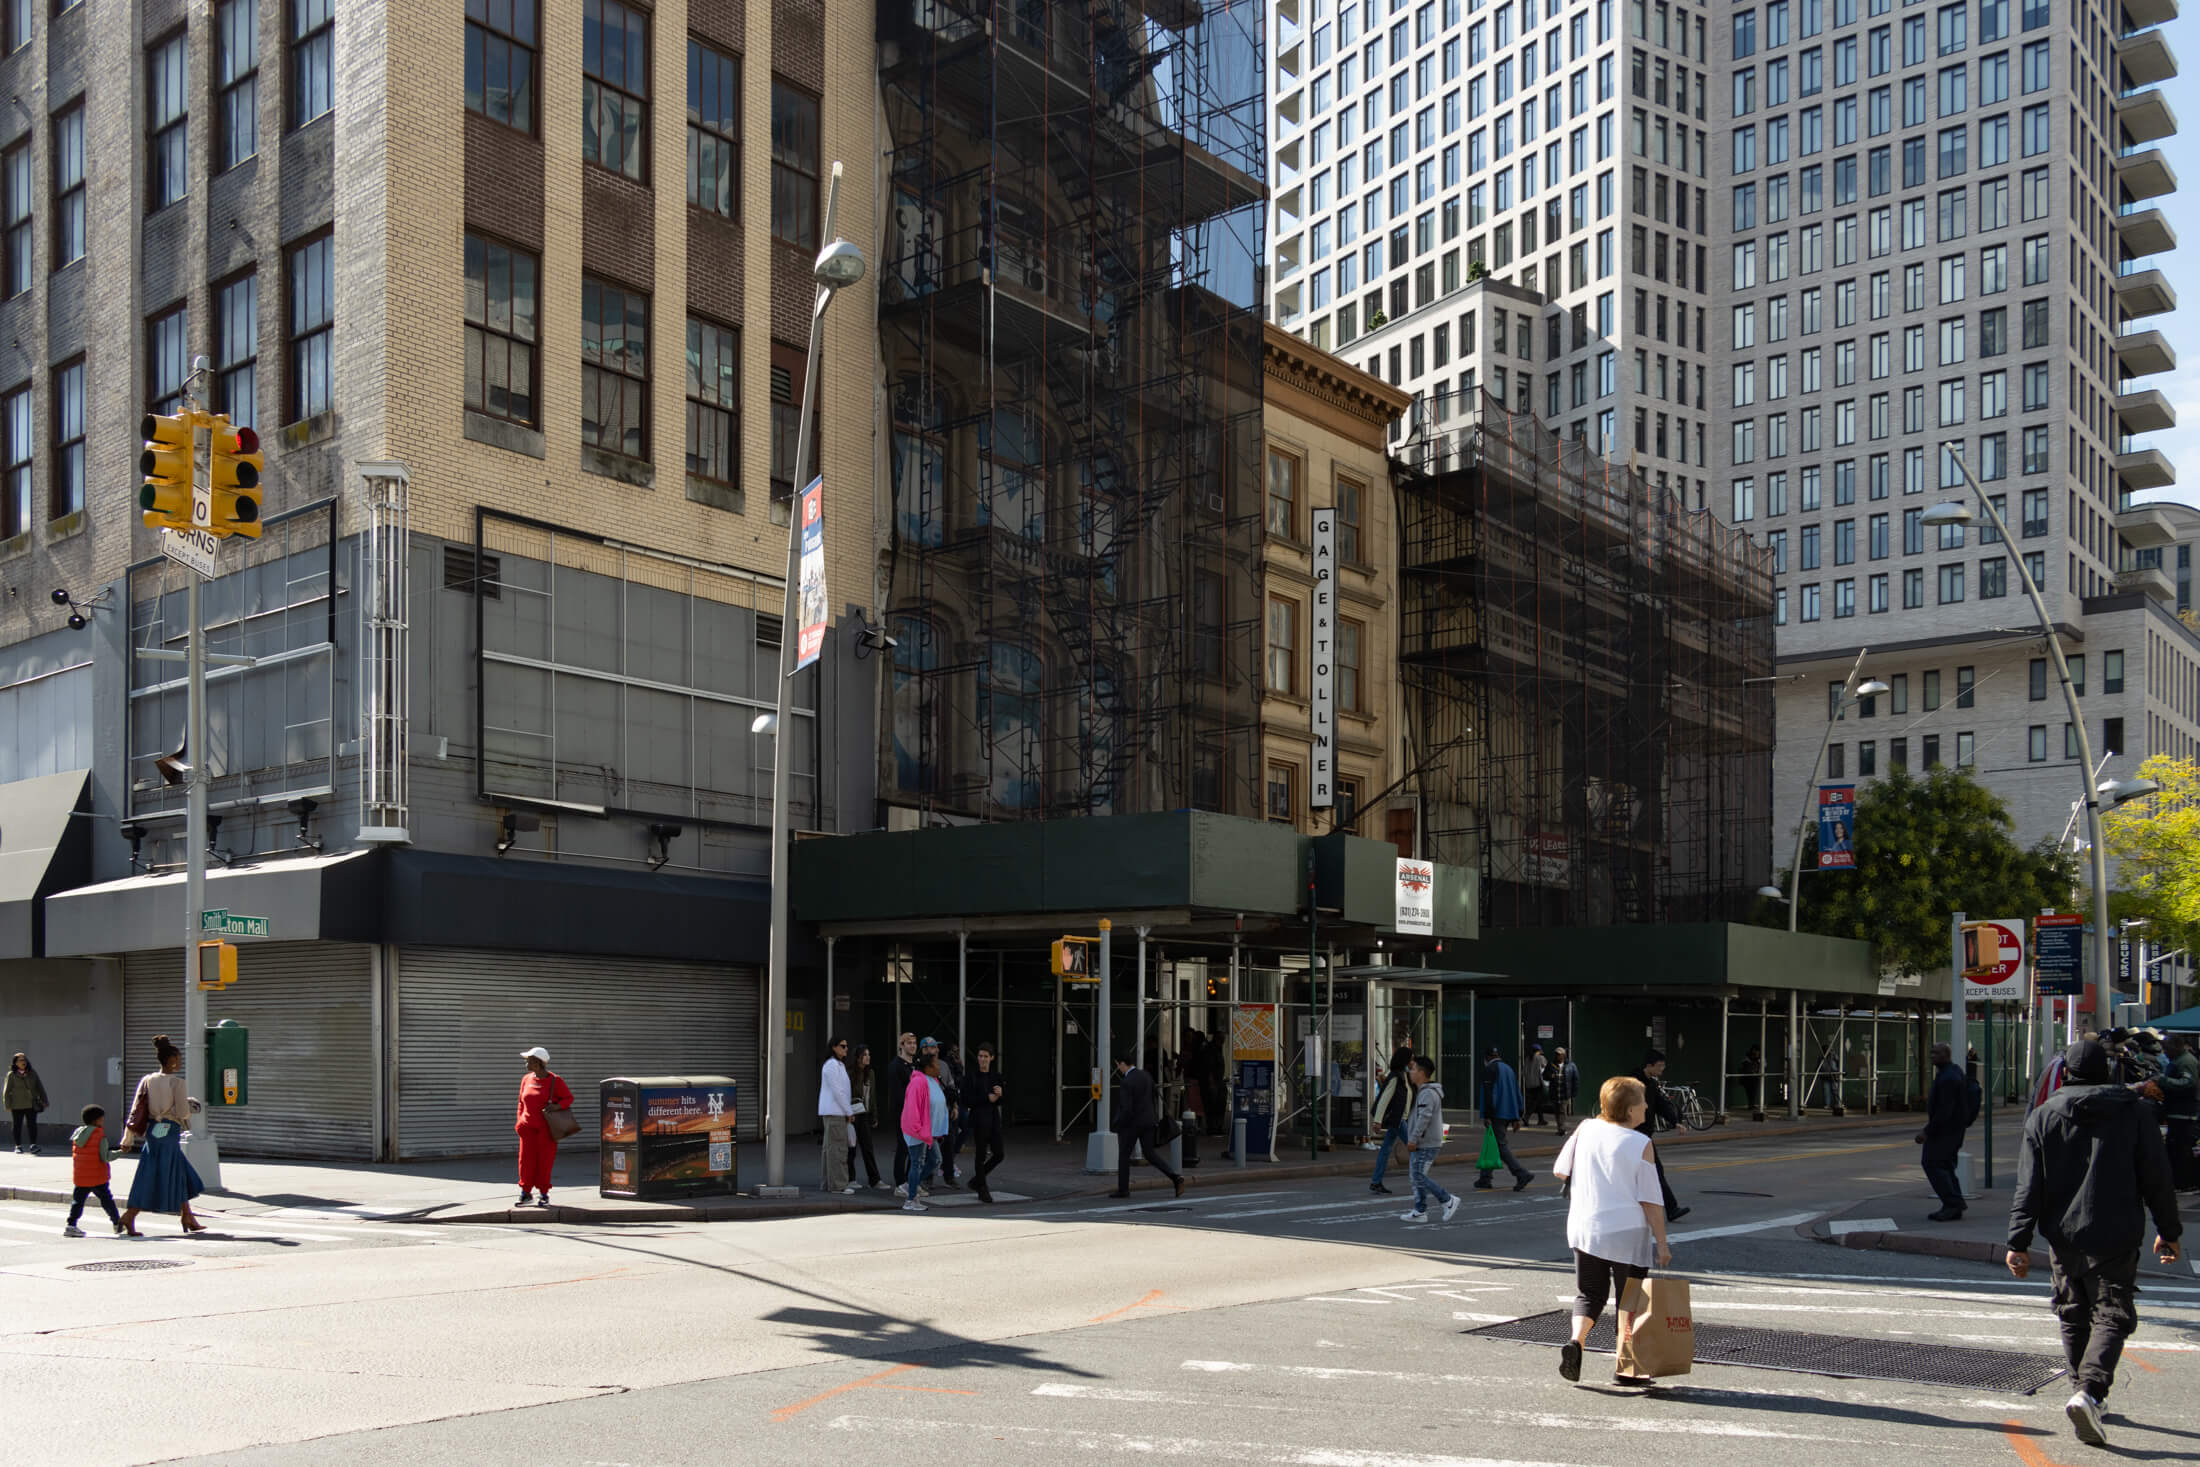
1416, 909
1323, 784
812, 601
1993, 960
1837, 827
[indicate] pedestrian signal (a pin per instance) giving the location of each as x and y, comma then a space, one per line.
1073, 959
217, 964
165, 497
234, 465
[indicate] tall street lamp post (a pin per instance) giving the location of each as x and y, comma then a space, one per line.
2116, 792
839, 264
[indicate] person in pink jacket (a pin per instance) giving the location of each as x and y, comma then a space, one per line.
923, 1120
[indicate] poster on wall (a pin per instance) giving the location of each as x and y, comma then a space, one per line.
1416, 912
811, 605
1837, 827
1322, 787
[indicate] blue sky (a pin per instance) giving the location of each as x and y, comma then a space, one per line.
2182, 265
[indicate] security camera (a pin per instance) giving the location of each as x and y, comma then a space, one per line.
77, 622
60, 596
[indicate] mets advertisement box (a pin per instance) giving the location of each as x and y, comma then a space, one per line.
668, 1136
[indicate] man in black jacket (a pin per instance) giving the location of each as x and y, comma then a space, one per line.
2180, 1085
2091, 1167
1136, 1123
897, 1088
983, 1088
1392, 1102
1661, 1108
1947, 1117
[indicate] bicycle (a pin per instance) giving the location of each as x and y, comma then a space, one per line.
1695, 1115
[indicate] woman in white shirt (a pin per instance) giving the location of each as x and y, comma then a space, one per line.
1616, 1219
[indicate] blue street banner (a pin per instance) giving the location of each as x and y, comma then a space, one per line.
811, 639
1837, 827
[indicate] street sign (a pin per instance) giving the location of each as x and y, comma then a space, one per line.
224, 923
191, 548
1993, 959
2058, 954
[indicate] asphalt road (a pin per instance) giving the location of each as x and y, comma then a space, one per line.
1299, 1323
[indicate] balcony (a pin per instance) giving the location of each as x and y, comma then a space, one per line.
2143, 353
2146, 174
2139, 13
2145, 293
2145, 468
2145, 526
2145, 232
2144, 412
2148, 581
2145, 116
2146, 58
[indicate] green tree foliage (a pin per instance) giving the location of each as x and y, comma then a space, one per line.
1925, 848
2155, 845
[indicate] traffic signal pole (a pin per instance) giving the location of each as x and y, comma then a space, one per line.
205, 1155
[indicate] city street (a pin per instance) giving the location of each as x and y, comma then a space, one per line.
1301, 1322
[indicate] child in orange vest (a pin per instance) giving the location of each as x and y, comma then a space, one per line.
89, 1156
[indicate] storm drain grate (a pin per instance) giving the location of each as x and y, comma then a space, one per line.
1849, 1356
129, 1265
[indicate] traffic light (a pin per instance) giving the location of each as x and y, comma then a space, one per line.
1073, 960
217, 963
166, 464
233, 469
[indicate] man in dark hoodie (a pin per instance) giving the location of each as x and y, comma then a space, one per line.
1947, 1117
897, 1086
1392, 1102
2091, 1167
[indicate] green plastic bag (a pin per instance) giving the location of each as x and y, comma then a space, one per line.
1488, 1161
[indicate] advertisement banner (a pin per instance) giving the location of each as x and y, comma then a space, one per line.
1837, 827
1322, 784
810, 605
2058, 954
1993, 960
1416, 898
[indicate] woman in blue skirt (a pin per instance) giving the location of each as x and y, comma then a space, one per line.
165, 1180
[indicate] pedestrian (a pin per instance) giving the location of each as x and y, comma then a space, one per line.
1657, 1107
1215, 1081
2180, 1082
1424, 1138
923, 1118
1947, 1117
1753, 1078
863, 1087
1615, 1212
1136, 1123
950, 1079
1392, 1104
1501, 1112
836, 1112
897, 1086
90, 1171
2090, 1168
1569, 1085
983, 1088
540, 1092
24, 1094
1194, 1067
1535, 1075
159, 1113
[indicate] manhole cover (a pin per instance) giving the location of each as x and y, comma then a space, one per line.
129, 1265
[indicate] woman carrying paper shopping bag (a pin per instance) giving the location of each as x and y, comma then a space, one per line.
1615, 1221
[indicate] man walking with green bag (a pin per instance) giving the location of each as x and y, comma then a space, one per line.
1500, 1113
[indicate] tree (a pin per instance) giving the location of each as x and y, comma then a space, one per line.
2155, 845
1926, 848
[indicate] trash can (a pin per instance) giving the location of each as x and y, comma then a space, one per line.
668, 1136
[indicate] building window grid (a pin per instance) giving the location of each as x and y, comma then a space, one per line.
15, 475
795, 166
237, 79
614, 369
236, 349
312, 316
714, 131
615, 87
312, 60
67, 495
15, 199
713, 402
500, 61
167, 120
68, 185
501, 325
167, 358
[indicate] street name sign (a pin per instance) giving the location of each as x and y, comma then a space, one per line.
224, 923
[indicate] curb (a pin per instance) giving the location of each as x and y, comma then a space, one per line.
1964, 1250
35, 1194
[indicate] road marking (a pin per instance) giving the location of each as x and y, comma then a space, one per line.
1158, 1200
1869, 1278
788, 1413
1863, 1225
2027, 1450
1151, 1301
1708, 1302
1360, 1202
1273, 1454
1467, 1317
1736, 1230
1713, 1166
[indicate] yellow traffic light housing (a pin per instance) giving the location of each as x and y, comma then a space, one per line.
233, 468
217, 964
1073, 960
166, 460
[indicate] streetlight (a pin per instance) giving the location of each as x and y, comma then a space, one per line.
2116, 792
839, 264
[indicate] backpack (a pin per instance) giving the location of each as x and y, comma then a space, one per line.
1974, 1101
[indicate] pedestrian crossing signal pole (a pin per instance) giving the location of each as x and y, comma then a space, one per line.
205, 1155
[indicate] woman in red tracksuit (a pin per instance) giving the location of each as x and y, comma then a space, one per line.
538, 1150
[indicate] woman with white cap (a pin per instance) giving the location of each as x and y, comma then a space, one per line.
540, 1091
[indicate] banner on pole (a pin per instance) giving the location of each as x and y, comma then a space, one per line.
1323, 784
1837, 827
811, 602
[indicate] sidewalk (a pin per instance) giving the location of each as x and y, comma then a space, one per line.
481, 1190
1896, 1222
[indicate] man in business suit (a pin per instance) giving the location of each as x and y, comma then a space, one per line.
1136, 1122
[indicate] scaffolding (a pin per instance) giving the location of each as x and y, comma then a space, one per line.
1072, 346
1587, 671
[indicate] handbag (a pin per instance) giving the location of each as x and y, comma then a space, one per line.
562, 1123
1489, 1160
1661, 1329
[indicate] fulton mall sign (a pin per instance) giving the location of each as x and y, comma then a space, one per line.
1323, 782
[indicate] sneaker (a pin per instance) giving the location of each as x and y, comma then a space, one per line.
1484, 1185
2085, 1419
1946, 1214
1451, 1205
1379, 1188
1179, 1181
886, 1186
526, 1199
923, 1193
1522, 1184
1417, 1215
72, 1231
849, 1190
1569, 1360
914, 1207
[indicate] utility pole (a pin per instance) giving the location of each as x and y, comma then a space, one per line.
205, 1154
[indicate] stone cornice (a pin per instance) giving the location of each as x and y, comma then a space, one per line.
1329, 379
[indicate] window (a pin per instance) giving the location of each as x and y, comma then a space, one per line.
500, 61
614, 86
1867, 759
1898, 756
236, 349
1898, 694
1283, 494
1351, 497
1837, 763
1347, 813
167, 120
15, 473
2112, 736
15, 185
1283, 797
2112, 671
713, 402
312, 309
614, 369
1283, 641
312, 59
1993, 579
2038, 672
500, 331
68, 439
237, 79
2077, 673
1351, 638
1932, 690
1966, 750
68, 186
1966, 682
167, 358
2035, 743
714, 131
794, 166
1011, 448
1929, 751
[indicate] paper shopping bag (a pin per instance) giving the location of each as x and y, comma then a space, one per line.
1661, 1329
1489, 1160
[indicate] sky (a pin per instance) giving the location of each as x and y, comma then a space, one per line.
2181, 385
